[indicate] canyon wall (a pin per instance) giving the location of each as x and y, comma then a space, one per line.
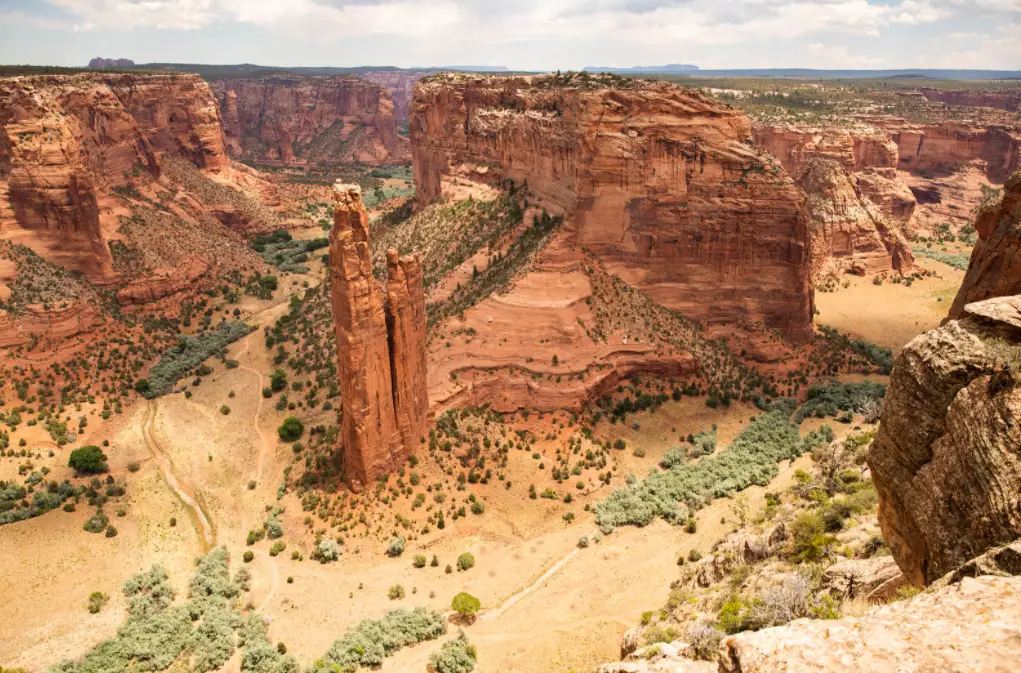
301, 121
400, 84
995, 266
847, 231
380, 347
66, 141
854, 150
946, 147
663, 183
1001, 100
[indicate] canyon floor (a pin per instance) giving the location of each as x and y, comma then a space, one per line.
547, 605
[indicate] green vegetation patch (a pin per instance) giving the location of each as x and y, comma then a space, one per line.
285, 253
188, 354
750, 459
373, 640
829, 399
958, 260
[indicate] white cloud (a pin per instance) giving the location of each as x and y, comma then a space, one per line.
836, 56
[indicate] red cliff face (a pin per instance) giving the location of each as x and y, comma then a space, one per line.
66, 141
948, 146
1001, 100
995, 267
380, 349
300, 121
400, 84
794, 146
662, 183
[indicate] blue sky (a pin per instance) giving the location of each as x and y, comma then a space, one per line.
525, 34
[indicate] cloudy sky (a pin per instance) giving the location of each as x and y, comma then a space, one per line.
520, 34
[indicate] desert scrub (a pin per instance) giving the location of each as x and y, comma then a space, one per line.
828, 399
280, 250
373, 640
157, 633
465, 561
456, 656
957, 260
189, 353
97, 599
750, 459
326, 550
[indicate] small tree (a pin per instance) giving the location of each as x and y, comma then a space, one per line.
396, 547
290, 430
465, 561
466, 606
88, 460
278, 381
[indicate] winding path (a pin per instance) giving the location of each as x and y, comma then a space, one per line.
194, 509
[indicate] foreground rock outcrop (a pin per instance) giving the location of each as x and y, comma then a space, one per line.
947, 460
293, 120
970, 622
662, 183
995, 266
380, 347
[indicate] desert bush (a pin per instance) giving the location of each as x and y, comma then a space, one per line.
277, 547
750, 459
97, 599
371, 641
456, 656
290, 430
827, 399
675, 455
88, 460
189, 353
396, 547
466, 606
705, 641
809, 540
465, 561
327, 550
583, 542
395, 592
420, 561
274, 529
97, 522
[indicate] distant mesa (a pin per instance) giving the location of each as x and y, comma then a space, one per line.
672, 68
100, 63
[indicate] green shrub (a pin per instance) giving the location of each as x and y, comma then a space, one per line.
290, 430
466, 605
465, 561
248, 556
189, 353
97, 599
371, 641
277, 547
828, 399
88, 460
420, 561
750, 459
456, 656
396, 547
809, 540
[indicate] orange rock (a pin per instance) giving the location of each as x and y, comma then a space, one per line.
283, 118
380, 352
848, 233
67, 140
46, 322
163, 282
662, 183
995, 267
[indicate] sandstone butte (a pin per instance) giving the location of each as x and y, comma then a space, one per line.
848, 231
292, 120
67, 141
995, 267
662, 183
381, 357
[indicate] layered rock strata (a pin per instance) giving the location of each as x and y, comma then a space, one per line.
947, 459
848, 232
995, 266
662, 183
67, 141
380, 347
303, 121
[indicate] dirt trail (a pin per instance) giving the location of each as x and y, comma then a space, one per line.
194, 509
265, 444
512, 600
